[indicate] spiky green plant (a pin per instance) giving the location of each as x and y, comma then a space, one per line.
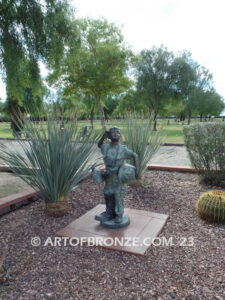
52, 161
211, 206
140, 138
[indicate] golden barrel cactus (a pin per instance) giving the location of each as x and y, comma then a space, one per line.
211, 206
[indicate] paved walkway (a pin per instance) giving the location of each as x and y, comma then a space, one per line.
166, 156
171, 156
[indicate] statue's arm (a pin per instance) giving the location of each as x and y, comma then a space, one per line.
136, 162
104, 136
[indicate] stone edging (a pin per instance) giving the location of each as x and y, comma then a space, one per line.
172, 168
13, 201
149, 167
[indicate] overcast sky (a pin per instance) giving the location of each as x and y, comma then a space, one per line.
194, 25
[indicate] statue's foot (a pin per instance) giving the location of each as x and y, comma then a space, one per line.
104, 217
118, 219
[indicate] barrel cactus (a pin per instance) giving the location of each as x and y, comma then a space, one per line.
211, 206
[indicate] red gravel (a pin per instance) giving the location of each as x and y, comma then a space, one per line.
165, 272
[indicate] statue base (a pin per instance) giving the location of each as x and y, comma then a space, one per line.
143, 224
113, 225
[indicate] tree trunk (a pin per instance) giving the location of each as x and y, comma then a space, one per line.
155, 121
189, 117
201, 117
101, 114
16, 116
92, 118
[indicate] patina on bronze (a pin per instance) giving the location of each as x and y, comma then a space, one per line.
116, 174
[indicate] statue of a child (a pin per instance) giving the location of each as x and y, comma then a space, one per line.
114, 155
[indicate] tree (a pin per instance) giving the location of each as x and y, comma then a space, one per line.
197, 89
77, 104
174, 107
98, 65
192, 83
130, 102
110, 102
209, 103
30, 31
1, 105
155, 79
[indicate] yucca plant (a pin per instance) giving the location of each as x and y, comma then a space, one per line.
140, 138
52, 161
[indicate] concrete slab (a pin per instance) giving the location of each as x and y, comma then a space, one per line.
11, 184
135, 238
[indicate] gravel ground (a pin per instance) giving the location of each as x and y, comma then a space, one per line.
165, 272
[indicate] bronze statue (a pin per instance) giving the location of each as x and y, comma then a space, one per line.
116, 174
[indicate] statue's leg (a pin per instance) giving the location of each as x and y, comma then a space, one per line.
109, 213
119, 206
110, 204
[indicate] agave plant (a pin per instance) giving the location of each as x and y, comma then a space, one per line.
52, 161
140, 138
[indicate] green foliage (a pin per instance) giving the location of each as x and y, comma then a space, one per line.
209, 103
174, 107
140, 138
130, 102
30, 31
98, 65
3, 115
154, 77
51, 161
161, 76
196, 88
110, 104
211, 206
175, 84
206, 148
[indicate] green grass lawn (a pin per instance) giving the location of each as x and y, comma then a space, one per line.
173, 131
5, 130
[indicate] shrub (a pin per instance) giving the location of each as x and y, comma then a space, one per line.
52, 161
206, 148
211, 206
140, 138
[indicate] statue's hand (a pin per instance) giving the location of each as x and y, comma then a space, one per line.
106, 134
105, 175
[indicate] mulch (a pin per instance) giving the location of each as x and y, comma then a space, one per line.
192, 268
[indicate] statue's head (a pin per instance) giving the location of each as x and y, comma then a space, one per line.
114, 133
